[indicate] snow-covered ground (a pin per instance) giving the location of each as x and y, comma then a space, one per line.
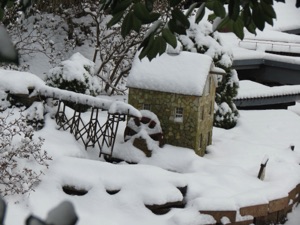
226, 178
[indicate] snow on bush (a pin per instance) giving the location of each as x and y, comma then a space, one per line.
74, 74
201, 38
22, 159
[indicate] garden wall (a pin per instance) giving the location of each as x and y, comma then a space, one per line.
275, 212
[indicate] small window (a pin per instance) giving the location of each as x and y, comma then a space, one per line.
147, 107
178, 114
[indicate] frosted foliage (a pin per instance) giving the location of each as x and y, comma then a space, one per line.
200, 38
75, 74
22, 159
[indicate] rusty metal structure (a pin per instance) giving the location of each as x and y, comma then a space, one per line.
91, 133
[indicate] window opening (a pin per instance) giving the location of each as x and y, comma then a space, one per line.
178, 114
147, 107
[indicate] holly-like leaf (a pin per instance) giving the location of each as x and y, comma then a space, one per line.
258, 16
219, 9
191, 9
120, 6
127, 24
233, 9
178, 15
149, 5
238, 28
175, 27
162, 45
222, 23
116, 18
251, 28
146, 46
246, 15
200, 13
268, 10
169, 37
174, 3
141, 11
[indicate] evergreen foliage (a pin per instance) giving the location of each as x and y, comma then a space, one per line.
201, 38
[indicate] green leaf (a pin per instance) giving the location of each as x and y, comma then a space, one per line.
146, 46
141, 12
175, 27
191, 9
270, 2
251, 28
130, 22
200, 13
268, 19
223, 23
121, 6
162, 44
268, 10
1, 13
211, 17
116, 18
233, 9
219, 9
149, 5
210, 4
178, 15
238, 28
169, 37
174, 3
246, 14
258, 17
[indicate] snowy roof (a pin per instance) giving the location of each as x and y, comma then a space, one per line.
249, 89
288, 16
185, 73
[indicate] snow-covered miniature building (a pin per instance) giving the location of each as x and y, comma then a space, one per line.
180, 90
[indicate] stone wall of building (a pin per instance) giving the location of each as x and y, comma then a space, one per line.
195, 129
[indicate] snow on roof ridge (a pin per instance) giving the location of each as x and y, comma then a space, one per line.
256, 90
185, 73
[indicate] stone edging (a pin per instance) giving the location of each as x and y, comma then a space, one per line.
274, 212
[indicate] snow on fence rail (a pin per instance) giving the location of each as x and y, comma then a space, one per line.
16, 82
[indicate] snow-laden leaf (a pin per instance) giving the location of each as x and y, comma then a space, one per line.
8, 53
200, 13
169, 37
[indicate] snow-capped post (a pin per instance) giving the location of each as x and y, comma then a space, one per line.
262, 170
2, 210
292, 147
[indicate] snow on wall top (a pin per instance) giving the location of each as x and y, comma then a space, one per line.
185, 73
250, 89
18, 83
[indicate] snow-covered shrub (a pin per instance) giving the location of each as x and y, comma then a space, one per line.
201, 38
35, 115
75, 74
22, 159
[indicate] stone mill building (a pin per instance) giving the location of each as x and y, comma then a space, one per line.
180, 90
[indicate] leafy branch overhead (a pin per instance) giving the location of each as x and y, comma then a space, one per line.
166, 23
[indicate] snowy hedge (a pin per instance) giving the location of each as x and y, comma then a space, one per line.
201, 38
75, 74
